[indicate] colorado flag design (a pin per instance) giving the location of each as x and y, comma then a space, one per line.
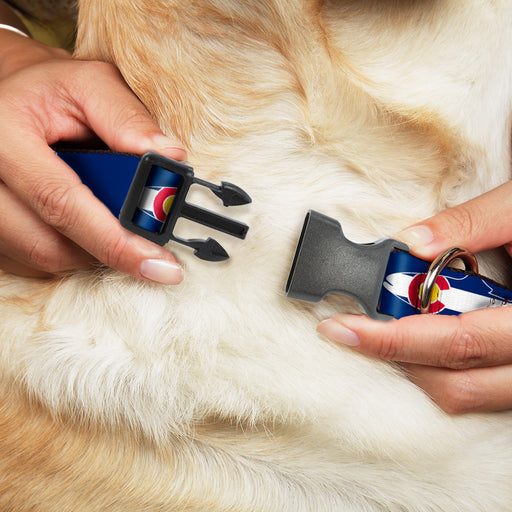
157, 198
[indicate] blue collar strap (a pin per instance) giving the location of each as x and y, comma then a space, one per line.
148, 195
383, 277
454, 291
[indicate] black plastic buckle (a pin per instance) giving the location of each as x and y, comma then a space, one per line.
326, 262
208, 249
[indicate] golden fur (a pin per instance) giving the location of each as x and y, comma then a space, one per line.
217, 394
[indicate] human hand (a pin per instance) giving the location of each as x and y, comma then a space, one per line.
463, 362
49, 221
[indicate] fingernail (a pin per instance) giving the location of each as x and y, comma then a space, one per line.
164, 143
416, 237
338, 333
161, 271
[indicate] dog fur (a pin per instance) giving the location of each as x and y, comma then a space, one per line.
217, 394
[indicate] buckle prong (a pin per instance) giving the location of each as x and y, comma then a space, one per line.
157, 175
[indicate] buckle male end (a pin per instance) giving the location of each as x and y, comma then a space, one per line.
157, 175
326, 262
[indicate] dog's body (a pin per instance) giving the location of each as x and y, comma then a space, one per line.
217, 394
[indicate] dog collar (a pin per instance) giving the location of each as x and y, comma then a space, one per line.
148, 195
385, 279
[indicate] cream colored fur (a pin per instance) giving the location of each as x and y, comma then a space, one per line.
217, 394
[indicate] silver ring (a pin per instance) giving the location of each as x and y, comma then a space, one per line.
437, 266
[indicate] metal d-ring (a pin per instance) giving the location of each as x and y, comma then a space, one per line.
437, 266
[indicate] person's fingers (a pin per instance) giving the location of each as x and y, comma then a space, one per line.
58, 101
65, 204
479, 224
463, 362
115, 114
14, 267
60, 199
474, 339
30, 243
45, 112
463, 391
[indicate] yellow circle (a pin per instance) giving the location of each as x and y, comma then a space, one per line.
167, 204
435, 293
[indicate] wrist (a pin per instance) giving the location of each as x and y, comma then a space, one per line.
9, 17
11, 28
18, 52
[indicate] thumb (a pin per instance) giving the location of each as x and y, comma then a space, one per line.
476, 225
119, 118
